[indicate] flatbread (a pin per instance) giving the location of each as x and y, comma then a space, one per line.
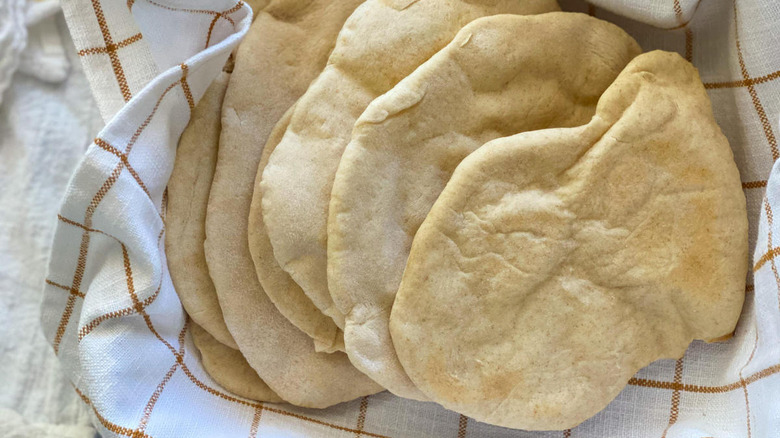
285, 293
256, 6
287, 45
557, 263
229, 368
500, 75
380, 44
188, 193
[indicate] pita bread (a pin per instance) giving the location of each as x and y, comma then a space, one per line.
286, 295
380, 44
256, 6
229, 368
557, 263
188, 193
287, 46
500, 75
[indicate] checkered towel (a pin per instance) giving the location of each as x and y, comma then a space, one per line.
112, 316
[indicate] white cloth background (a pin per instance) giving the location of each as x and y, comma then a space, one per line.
114, 320
47, 119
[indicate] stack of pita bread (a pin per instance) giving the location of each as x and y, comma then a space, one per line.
489, 204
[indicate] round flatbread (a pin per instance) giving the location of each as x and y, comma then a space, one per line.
287, 45
229, 368
557, 263
285, 293
380, 44
188, 194
500, 75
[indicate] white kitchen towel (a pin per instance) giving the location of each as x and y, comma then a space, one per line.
115, 321
47, 120
13, 37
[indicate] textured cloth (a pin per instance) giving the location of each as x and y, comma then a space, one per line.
115, 322
13, 36
47, 119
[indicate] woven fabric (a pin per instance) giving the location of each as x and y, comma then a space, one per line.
13, 35
47, 119
115, 321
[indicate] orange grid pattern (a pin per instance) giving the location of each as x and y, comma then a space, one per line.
110, 49
768, 132
139, 306
217, 14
